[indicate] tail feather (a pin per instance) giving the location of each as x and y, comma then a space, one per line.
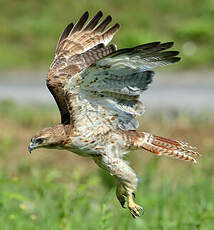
164, 146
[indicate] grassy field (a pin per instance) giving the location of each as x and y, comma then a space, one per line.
57, 190
30, 29
60, 190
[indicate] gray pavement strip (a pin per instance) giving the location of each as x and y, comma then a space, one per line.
192, 90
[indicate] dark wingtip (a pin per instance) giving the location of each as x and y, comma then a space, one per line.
117, 25
146, 46
176, 59
167, 45
93, 22
114, 28
173, 53
109, 18
99, 13
64, 34
170, 53
103, 24
86, 14
78, 26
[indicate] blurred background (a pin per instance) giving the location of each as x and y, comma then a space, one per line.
60, 190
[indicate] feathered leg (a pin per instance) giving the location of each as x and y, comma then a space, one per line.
127, 181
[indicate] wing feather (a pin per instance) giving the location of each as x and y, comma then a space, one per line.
64, 35
93, 22
79, 25
78, 47
86, 74
117, 81
81, 39
79, 42
103, 25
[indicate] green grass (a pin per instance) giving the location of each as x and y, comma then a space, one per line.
58, 190
30, 29
41, 203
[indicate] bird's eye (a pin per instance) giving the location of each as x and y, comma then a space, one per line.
39, 140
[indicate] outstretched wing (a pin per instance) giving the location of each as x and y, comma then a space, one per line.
116, 82
78, 47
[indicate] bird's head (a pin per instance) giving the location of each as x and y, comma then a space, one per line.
47, 138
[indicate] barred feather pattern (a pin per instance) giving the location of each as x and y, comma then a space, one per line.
77, 39
99, 92
78, 47
164, 146
118, 80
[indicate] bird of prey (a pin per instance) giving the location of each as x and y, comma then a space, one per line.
99, 93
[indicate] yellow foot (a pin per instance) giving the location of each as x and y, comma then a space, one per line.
134, 209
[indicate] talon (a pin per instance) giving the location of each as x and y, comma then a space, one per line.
142, 210
134, 208
135, 211
133, 216
121, 196
122, 200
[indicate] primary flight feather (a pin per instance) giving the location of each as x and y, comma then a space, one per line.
99, 93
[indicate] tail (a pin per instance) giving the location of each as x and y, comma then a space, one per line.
163, 146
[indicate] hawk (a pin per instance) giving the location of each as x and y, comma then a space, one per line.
99, 93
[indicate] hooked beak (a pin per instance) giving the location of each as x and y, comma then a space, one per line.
31, 148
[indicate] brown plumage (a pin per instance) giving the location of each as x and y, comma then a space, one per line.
99, 93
